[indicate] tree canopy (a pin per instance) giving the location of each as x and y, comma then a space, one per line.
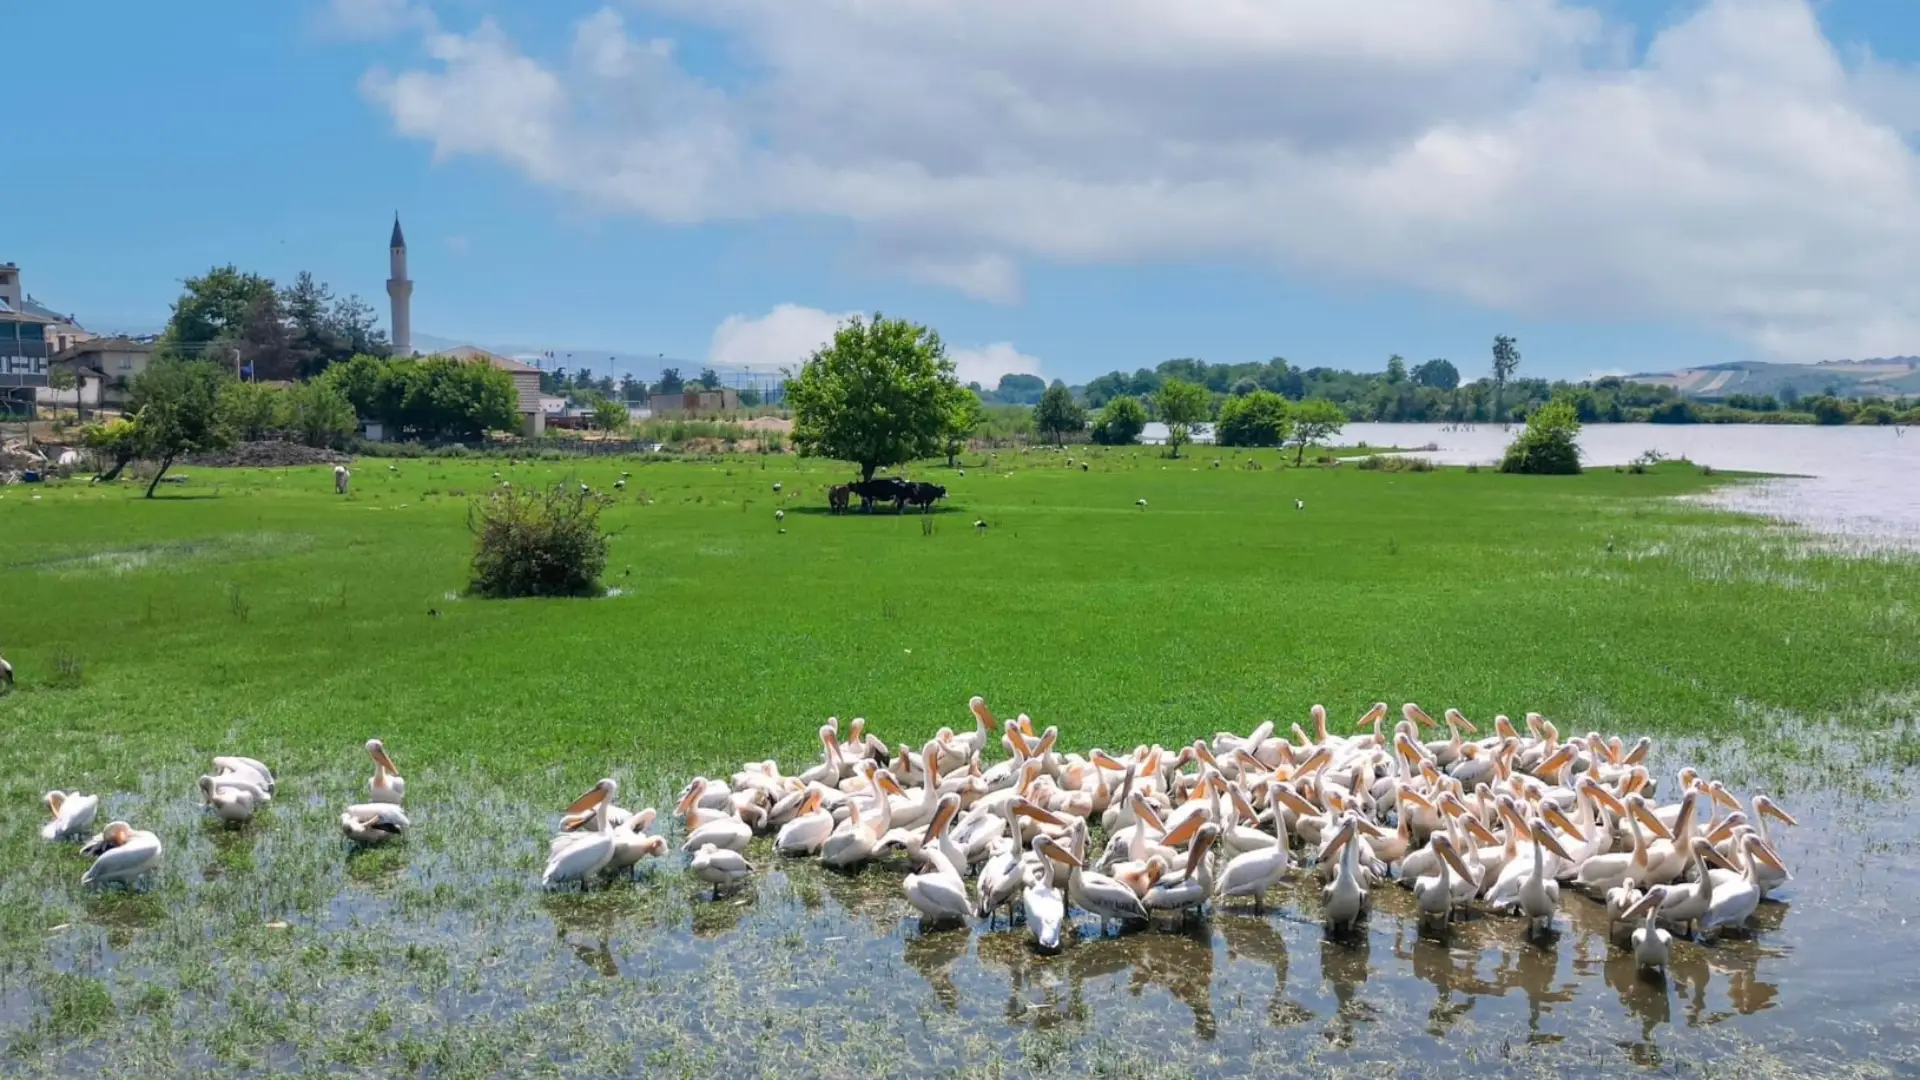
1120, 422
881, 393
435, 398
1181, 405
1058, 414
244, 323
1261, 418
176, 407
1314, 422
1548, 445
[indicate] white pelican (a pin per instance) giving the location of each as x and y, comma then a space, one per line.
938, 892
719, 867
72, 813
1040, 898
1621, 899
234, 802
1687, 901
1102, 896
1195, 887
1434, 895
1735, 893
374, 822
260, 774
578, 856
1001, 877
1603, 872
631, 842
705, 825
1345, 899
1254, 871
386, 785
830, 768
808, 830
1652, 946
1538, 897
956, 751
858, 839
123, 854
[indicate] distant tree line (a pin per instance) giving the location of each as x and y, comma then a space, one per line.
248, 325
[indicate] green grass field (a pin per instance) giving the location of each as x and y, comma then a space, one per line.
255, 612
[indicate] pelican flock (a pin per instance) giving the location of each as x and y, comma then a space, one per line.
1506, 824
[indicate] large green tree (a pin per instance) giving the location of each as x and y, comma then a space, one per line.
965, 414
879, 394
1506, 358
212, 308
1057, 414
1120, 422
176, 410
1261, 418
1438, 374
1315, 421
1180, 405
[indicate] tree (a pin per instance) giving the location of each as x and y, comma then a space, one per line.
1506, 357
1120, 422
250, 410
62, 379
1438, 374
609, 415
1261, 418
264, 347
1396, 369
1314, 421
176, 407
212, 307
670, 382
1548, 445
318, 412
1058, 413
1181, 404
749, 397
880, 394
439, 397
709, 378
1017, 389
963, 416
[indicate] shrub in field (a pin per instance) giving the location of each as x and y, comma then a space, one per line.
529, 542
1549, 445
1395, 463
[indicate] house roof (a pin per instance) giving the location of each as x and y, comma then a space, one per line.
474, 352
10, 315
103, 345
37, 309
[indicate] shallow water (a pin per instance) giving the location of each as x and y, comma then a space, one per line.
278, 948
1855, 482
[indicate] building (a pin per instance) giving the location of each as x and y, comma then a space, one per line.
23, 347
104, 368
696, 401
399, 291
526, 383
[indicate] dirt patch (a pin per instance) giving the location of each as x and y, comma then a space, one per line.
266, 455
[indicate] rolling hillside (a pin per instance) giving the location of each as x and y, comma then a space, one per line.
1897, 376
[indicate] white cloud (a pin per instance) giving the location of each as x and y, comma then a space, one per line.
1740, 175
790, 333
985, 365
374, 18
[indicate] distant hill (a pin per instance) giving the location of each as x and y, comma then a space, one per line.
1894, 376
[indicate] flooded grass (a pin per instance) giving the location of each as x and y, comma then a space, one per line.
274, 949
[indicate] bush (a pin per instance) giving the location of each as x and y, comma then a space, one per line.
1548, 446
1121, 422
1395, 463
1258, 418
538, 543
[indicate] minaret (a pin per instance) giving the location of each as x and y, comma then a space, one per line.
400, 291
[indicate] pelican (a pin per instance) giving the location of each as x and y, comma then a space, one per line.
1652, 946
1538, 897
1345, 899
72, 813
386, 785
1602, 872
721, 828
1002, 877
231, 802
1434, 895
123, 854
1040, 898
1689, 900
719, 867
254, 769
957, 750
1621, 899
1735, 893
939, 893
631, 842
578, 856
374, 822
856, 841
1195, 887
1254, 871
1103, 896
808, 830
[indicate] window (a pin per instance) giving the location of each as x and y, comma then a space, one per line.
126, 363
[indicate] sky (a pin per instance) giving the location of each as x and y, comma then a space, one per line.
1062, 187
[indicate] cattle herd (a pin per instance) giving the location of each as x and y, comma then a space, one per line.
885, 489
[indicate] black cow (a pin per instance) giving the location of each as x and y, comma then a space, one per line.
885, 489
924, 494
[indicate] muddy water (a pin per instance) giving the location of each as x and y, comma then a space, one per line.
441, 956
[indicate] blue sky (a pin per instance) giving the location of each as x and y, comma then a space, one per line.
283, 136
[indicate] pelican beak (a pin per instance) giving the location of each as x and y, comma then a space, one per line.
1720, 860
1651, 900
1459, 719
1479, 832
689, 797
1605, 798
1726, 827
1062, 855
1639, 752
594, 797
1447, 852
1373, 715
1416, 714
1504, 727
379, 754
1560, 757
1038, 813
1205, 755
1339, 840
1297, 804
1407, 751
1654, 824
1144, 810
1021, 747
1103, 759
1757, 849
1546, 839
943, 816
1769, 808
54, 801
1409, 795
1241, 805
1184, 831
1561, 820
978, 706
1320, 756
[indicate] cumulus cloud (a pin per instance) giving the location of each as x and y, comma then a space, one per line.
790, 333
1740, 174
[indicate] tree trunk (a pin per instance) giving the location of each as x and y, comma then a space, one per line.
866, 471
165, 464
113, 474
1300, 456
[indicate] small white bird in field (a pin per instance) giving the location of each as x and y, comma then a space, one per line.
1299, 505
962, 472
393, 468
776, 485
620, 485
979, 524
1141, 503
779, 515
584, 488
6, 673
